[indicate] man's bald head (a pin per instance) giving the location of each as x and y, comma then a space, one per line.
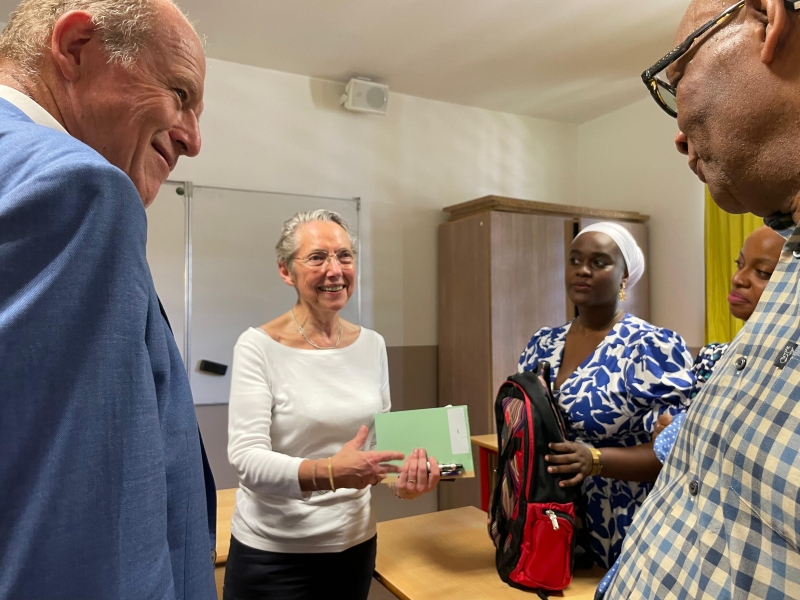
738, 96
697, 13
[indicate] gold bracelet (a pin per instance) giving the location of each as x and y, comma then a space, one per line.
314, 475
330, 473
396, 495
597, 466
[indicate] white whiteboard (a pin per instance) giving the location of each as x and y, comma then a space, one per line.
235, 282
166, 253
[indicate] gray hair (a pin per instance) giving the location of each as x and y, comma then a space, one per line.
123, 26
287, 244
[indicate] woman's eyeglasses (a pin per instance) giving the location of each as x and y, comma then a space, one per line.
345, 258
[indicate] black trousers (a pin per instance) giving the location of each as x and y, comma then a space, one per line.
252, 574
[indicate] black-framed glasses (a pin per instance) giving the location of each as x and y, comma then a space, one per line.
662, 91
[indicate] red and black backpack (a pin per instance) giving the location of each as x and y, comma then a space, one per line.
532, 520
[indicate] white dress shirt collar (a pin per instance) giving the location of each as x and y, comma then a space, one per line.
36, 113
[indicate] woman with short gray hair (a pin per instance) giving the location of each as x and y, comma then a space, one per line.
305, 388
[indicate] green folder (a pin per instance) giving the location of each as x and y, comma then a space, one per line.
443, 432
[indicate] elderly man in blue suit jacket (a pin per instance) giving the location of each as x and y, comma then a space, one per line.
103, 490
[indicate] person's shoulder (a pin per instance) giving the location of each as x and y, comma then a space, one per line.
254, 350
57, 191
40, 141
547, 335
651, 342
644, 331
636, 325
542, 346
41, 162
254, 337
75, 163
371, 337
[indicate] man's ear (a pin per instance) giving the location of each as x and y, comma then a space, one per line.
71, 33
777, 26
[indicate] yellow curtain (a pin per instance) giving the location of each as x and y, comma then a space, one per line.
724, 235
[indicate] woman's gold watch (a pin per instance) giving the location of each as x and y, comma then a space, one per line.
597, 466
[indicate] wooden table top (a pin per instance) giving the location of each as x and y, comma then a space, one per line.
226, 502
488, 441
448, 555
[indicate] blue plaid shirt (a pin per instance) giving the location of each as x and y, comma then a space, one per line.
723, 520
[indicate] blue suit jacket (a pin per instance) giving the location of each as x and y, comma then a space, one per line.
102, 487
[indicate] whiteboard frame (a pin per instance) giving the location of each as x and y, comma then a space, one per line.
186, 190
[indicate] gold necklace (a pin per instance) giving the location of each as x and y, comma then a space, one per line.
308, 339
586, 331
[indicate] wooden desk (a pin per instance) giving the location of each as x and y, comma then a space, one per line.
448, 556
226, 501
487, 444
487, 441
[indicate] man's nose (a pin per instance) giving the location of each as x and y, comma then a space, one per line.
187, 135
682, 143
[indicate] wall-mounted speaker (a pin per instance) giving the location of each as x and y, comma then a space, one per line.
363, 95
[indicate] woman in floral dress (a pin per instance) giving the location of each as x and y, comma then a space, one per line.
613, 375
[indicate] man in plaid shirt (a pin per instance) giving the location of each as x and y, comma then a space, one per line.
723, 520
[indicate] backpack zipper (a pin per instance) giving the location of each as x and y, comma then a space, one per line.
554, 515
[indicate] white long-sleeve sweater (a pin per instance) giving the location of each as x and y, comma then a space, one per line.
287, 405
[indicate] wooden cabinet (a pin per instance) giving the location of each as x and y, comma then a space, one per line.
501, 278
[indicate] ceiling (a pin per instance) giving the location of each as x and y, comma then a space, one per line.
568, 60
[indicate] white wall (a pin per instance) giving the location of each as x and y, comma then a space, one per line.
274, 131
279, 132
627, 160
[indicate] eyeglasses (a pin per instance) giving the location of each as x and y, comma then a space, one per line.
345, 258
662, 91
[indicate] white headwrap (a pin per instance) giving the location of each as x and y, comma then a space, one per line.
634, 259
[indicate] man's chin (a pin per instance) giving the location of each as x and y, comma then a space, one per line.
147, 198
726, 201
148, 190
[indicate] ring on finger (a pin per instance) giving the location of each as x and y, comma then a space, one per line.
412, 481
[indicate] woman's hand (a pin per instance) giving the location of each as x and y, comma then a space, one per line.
414, 480
354, 468
571, 458
664, 419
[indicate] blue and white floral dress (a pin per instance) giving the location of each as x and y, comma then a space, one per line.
614, 399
